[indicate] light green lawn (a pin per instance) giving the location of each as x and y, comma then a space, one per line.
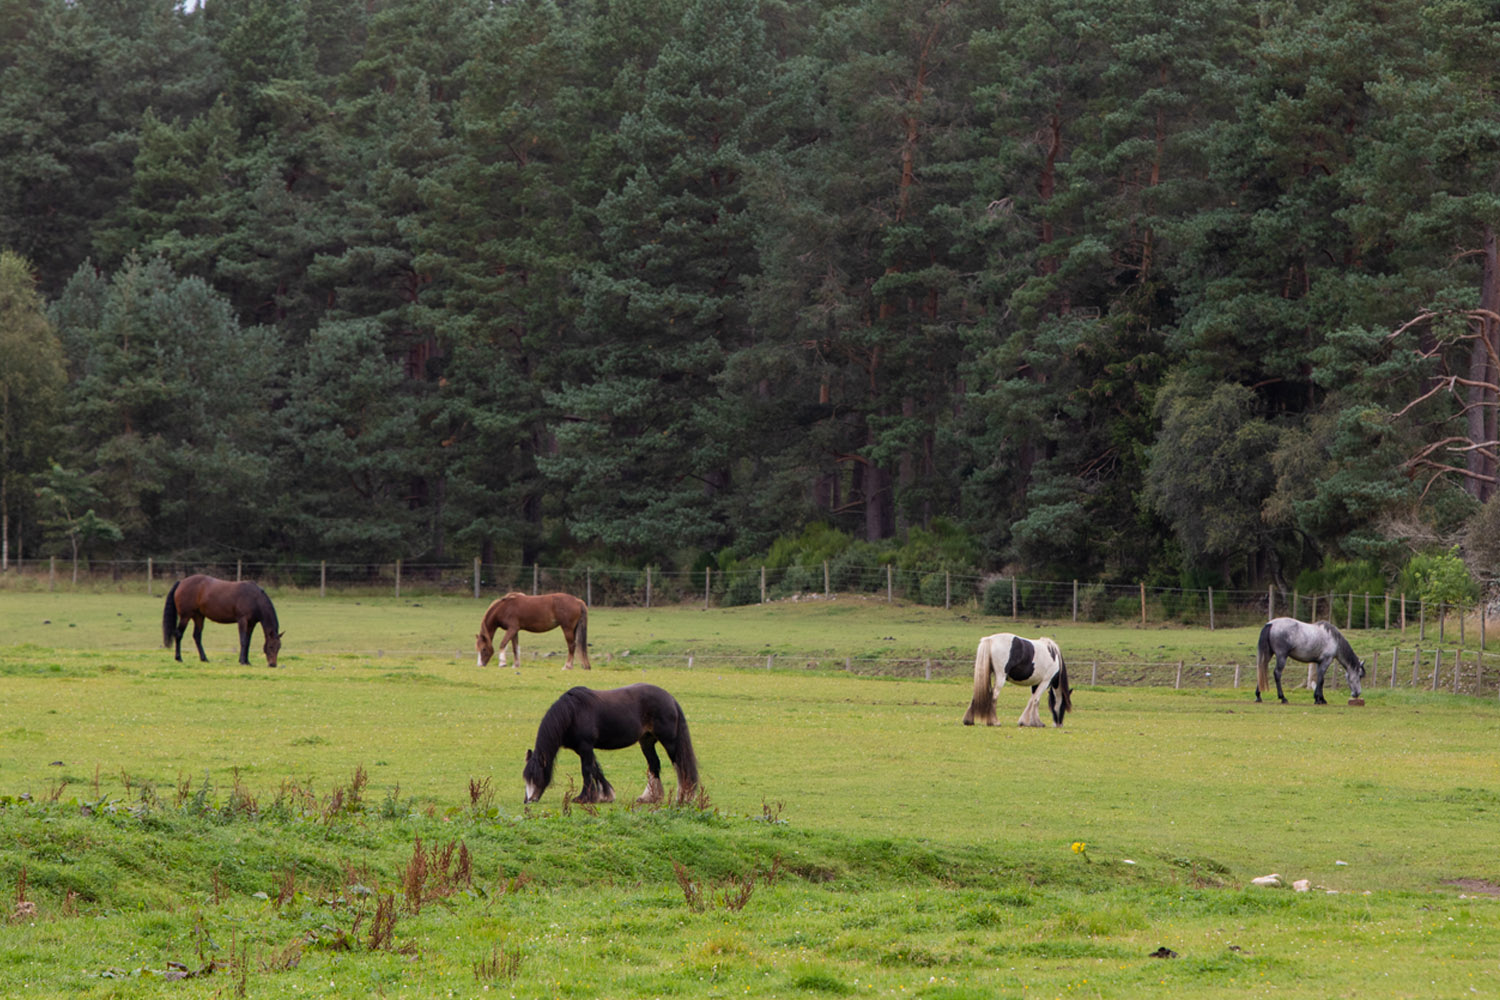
948, 848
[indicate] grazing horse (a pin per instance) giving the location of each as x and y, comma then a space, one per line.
1309, 642
584, 720
1037, 663
199, 597
516, 611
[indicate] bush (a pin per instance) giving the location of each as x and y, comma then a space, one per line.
1439, 578
933, 590
743, 587
996, 600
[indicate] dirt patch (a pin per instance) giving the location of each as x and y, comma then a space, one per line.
1475, 885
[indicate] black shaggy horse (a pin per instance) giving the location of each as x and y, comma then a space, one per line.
584, 720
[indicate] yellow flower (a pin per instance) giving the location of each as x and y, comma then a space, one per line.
1079, 847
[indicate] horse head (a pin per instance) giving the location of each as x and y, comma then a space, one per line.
1355, 675
485, 647
535, 775
272, 646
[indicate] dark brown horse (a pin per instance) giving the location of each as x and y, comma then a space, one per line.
542, 613
198, 597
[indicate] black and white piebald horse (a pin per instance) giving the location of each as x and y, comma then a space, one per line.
1037, 663
1309, 642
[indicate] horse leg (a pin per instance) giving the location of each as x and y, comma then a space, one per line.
1318, 698
178, 633
1030, 716
510, 637
1280, 666
653, 792
245, 628
567, 632
595, 787
198, 637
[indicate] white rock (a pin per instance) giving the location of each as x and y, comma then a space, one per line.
1302, 885
1268, 880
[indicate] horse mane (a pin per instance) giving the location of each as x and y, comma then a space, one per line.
267, 611
1060, 679
1346, 652
555, 723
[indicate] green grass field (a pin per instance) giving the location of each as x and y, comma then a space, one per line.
246, 824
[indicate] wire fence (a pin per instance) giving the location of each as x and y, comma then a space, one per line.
1470, 672
1017, 598
1439, 648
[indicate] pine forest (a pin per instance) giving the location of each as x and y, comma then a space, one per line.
1200, 292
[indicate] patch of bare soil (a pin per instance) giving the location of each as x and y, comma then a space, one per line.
1475, 885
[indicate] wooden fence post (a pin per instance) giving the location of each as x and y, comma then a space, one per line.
1349, 611
1437, 667
1210, 609
1178, 682
1416, 664
707, 584
889, 594
239, 568
536, 576
1294, 603
762, 585
827, 591
323, 578
1270, 602
52, 572
1075, 601
648, 587
1015, 603
148, 577
1395, 655
1143, 604
476, 578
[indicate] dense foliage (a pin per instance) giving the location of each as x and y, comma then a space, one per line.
1121, 290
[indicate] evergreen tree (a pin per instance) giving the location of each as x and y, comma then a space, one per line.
640, 446
169, 409
32, 377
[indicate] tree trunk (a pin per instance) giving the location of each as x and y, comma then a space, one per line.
1481, 394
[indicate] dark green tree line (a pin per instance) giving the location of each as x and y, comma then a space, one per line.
1128, 290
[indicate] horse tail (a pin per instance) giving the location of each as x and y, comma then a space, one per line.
582, 633
1061, 695
685, 761
169, 617
1263, 658
982, 705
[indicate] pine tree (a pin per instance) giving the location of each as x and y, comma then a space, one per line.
32, 377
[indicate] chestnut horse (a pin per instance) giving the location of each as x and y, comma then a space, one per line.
542, 613
199, 597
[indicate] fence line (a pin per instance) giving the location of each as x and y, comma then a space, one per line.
996, 596
1473, 673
